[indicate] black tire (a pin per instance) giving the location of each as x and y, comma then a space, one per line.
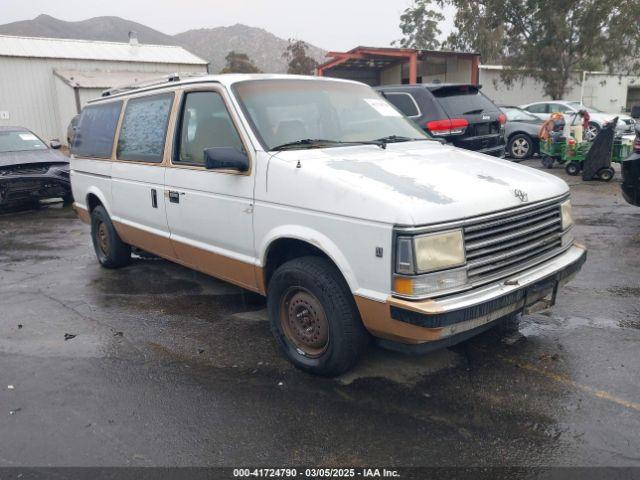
606, 174
111, 251
547, 162
592, 131
520, 147
314, 317
573, 168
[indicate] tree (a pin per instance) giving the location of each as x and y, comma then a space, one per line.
299, 62
550, 39
239, 63
475, 32
419, 25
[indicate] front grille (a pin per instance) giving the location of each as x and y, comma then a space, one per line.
499, 245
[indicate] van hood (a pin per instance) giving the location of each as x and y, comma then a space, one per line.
413, 183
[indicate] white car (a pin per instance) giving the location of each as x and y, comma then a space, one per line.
598, 118
320, 195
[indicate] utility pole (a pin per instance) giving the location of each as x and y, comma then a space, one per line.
584, 78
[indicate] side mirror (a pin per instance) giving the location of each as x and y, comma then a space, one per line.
225, 158
55, 144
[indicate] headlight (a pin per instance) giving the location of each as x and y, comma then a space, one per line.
565, 213
422, 285
428, 253
439, 253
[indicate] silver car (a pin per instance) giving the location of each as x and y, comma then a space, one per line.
569, 109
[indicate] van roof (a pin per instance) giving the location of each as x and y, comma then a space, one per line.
226, 79
430, 86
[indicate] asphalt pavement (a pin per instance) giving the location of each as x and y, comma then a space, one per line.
157, 365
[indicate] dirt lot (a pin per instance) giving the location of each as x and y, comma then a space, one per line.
169, 367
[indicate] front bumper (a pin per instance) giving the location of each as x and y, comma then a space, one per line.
430, 324
631, 179
22, 188
498, 151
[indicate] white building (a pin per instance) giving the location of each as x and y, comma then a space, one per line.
44, 82
610, 93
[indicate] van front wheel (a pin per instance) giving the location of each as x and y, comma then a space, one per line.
314, 318
111, 251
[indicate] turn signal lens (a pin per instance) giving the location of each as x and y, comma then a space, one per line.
404, 255
502, 118
566, 214
403, 286
422, 286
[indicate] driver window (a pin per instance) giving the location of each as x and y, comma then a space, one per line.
205, 123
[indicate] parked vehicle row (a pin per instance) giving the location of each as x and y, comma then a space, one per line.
598, 119
458, 113
320, 195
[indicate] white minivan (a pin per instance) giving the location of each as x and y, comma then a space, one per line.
320, 195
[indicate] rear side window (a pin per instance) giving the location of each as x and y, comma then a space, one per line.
144, 128
463, 100
95, 131
558, 107
538, 108
403, 102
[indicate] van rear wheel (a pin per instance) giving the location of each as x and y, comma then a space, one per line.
111, 251
314, 318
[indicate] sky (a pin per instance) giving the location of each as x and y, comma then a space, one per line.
329, 24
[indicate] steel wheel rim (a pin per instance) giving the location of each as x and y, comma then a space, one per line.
304, 322
520, 147
102, 237
592, 131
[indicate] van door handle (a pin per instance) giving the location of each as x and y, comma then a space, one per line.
154, 198
174, 197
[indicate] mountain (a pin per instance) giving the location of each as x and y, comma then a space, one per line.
110, 29
264, 48
213, 44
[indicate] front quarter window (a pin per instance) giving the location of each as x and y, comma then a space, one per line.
282, 111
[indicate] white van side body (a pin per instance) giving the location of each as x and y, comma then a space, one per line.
348, 203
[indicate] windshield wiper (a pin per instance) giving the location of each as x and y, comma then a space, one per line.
318, 142
471, 112
397, 139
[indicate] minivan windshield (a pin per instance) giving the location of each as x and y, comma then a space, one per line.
320, 113
19, 141
463, 100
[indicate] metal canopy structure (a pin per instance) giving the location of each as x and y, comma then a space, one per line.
375, 58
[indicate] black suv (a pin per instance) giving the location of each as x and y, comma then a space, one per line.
458, 112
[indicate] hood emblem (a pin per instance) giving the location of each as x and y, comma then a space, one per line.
520, 195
